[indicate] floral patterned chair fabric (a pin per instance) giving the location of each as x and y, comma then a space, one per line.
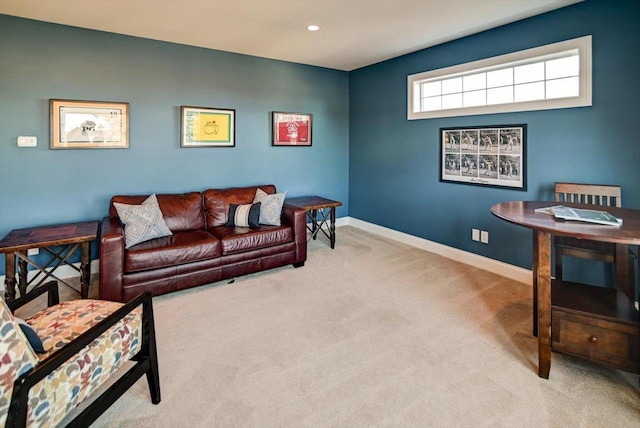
16, 357
85, 342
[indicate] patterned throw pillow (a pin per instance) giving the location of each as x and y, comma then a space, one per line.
142, 222
271, 208
244, 215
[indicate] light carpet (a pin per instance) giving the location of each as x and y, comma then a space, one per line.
374, 333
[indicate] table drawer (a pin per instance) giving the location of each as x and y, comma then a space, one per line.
613, 343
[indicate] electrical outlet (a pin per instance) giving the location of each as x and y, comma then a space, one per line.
475, 234
484, 237
33, 251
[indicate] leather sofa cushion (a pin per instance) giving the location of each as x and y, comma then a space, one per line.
180, 248
180, 212
217, 201
239, 239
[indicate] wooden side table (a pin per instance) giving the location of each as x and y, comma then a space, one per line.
71, 236
327, 210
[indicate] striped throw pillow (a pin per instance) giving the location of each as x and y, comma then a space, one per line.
244, 215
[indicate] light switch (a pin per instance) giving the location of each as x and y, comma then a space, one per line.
27, 141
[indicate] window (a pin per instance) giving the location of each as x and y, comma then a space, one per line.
546, 77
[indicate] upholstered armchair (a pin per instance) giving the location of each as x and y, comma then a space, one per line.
81, 344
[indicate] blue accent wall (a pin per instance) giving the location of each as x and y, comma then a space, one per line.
365, 153
40, 61
394, 163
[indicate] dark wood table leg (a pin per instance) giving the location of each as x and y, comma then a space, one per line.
23, 271
10, 276
534, 270
622, 269
332, 230
85, 269
543, 255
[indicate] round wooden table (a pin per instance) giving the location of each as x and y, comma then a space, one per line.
522, 213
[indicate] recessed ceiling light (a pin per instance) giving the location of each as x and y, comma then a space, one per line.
313, 28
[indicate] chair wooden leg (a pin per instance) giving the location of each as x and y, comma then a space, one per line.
150, 350
154, 383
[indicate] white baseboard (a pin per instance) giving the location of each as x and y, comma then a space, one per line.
472, 259
343, 221
63, 272
513, 272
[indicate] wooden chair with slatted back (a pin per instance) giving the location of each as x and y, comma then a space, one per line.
594, 194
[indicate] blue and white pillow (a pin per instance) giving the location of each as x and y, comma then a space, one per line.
271, 208
247, 215
142, 222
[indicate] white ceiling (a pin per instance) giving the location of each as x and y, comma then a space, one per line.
354, 33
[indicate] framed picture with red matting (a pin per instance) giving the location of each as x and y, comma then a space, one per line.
291, 129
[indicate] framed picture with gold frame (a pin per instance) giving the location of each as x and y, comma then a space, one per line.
89, 124
207, 127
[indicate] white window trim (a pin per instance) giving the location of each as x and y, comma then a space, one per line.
583, 44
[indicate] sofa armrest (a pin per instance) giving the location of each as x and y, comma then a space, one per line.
297, 219
111, 259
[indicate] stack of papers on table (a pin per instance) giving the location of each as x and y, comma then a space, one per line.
577, 214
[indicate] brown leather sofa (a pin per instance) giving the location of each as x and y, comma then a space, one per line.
201, 250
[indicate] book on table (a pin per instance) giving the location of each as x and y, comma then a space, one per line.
578, 214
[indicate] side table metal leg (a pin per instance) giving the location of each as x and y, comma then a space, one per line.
85, 269
332, 230
10, 276
314, 222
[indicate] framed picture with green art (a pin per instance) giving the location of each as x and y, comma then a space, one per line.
207, 127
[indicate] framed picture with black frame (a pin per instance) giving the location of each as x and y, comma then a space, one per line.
485, 156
